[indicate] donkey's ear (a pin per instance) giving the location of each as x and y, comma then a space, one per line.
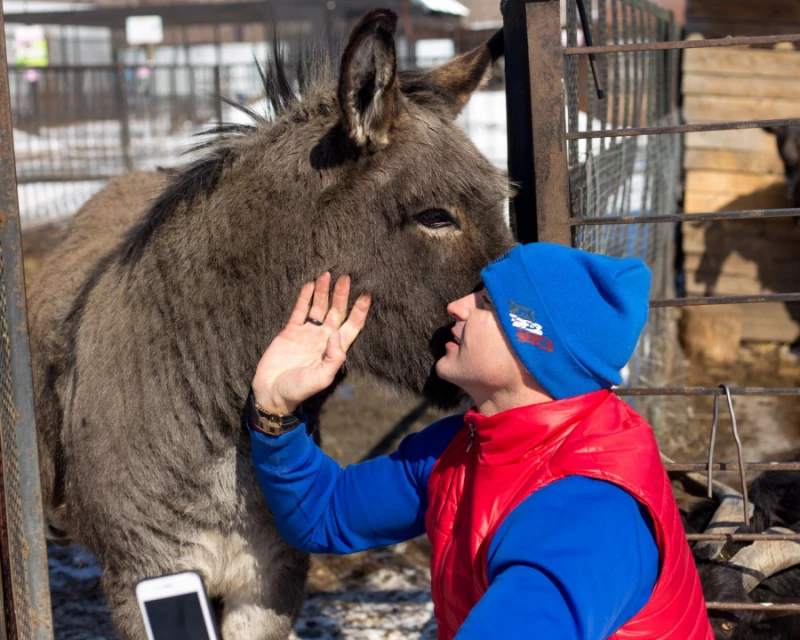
368, 93
464, 74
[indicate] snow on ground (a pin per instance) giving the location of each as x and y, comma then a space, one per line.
383, 599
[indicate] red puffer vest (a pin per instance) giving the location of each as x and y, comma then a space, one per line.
516, 452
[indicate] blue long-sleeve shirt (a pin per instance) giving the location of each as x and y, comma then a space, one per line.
574, 561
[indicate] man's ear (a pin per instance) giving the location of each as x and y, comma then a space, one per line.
464, 74
368, 93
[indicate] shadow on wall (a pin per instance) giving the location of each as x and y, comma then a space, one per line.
743, 257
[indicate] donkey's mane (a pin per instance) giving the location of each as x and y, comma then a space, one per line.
313, 70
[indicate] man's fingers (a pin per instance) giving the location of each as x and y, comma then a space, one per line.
321, 290
355, 321
341, 293
300, 310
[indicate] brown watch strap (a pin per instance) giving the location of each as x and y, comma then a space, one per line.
271, 424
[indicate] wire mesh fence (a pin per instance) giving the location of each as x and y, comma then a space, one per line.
616, 176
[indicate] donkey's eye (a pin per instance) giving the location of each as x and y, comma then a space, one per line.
436, 218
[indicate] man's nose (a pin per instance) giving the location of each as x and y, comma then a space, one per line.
459, 309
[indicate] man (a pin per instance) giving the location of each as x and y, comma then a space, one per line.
548, 510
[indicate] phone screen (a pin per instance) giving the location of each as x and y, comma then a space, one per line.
177, 618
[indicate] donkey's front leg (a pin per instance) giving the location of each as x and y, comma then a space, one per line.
257, 575
266, 608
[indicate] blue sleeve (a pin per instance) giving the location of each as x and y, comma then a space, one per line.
576, 560
321, 508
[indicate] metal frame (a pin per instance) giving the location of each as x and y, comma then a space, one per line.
542, 206
23, 554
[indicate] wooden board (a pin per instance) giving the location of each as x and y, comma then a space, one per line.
764, 241
734, 264
699, 109
729, 182
770, 322
739, 161
743, 62
700, 202
752, 140
723, 82
771, 11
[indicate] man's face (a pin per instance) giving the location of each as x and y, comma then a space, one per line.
479, 359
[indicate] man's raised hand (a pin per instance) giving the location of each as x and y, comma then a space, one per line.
303, 358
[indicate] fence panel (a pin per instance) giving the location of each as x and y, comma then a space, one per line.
23, 558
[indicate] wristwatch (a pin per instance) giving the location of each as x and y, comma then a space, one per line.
271, 424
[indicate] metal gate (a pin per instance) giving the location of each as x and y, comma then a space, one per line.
595, 187
23, 557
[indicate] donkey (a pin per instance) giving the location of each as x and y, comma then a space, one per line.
147, 324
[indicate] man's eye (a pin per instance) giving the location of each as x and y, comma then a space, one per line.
435, 219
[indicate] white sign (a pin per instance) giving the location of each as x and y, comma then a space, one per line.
144, 30
30, 46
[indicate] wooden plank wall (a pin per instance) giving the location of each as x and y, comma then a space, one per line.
720, 18
734, 170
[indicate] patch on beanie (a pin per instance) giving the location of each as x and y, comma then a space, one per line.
528, 330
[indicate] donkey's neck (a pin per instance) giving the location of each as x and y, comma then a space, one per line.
209, 279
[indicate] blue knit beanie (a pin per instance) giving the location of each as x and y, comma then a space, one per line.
572, 317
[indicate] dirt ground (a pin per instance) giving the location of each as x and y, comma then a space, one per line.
383, 594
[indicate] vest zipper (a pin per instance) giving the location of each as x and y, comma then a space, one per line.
471, 435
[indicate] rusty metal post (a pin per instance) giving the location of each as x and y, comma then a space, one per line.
23, 554
546, 65
121, 98
218, 93
537, 149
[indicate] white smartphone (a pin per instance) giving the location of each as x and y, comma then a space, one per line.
176, 607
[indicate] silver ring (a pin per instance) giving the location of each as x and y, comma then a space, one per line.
314, 322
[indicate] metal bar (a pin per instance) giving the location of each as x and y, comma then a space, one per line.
546, 67
56, 68
68, 177
739, 452
218, 94
706, 391
518, 114
682, 44
743, 537
587, 36
733, 466
756, 606
749, 214
683, 128
695, 302
121, 98
711, 442
27, 606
